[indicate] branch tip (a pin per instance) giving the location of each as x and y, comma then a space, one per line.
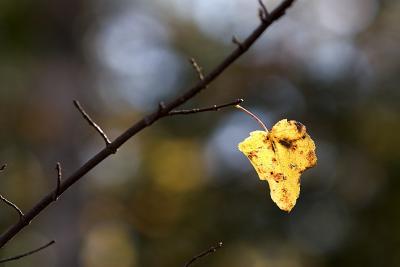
28, 253
14, 206
91, 122
59, 177
204, 253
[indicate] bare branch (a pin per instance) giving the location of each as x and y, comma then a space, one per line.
12, 205
92, 123
263, 11
197, 68
59, 177
197, 110
28, 253
204, 253
146, 122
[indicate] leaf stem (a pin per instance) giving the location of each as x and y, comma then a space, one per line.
253, 116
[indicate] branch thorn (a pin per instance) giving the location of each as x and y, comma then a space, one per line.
161, 107
8, 202
197, 68
59, 177
236, 41
92, 123
14, 206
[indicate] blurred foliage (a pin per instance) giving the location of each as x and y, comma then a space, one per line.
181, 185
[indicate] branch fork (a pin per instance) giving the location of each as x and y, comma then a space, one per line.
263, 12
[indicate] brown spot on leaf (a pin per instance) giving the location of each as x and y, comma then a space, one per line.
299, 126
285, 198
310, 156
286, 143
278, 177
252, 154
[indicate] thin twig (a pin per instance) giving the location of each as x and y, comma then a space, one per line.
92, 123
3, 167
146, 122
197, 68
59, 177
28, 253
236, 41
204, 253
263, 11
197, 110
8, 202
12, 205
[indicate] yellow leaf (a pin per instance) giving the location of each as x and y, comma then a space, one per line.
280, 157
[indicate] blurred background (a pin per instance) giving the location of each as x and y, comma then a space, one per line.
181, 186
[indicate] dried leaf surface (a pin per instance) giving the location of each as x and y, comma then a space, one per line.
280, 157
